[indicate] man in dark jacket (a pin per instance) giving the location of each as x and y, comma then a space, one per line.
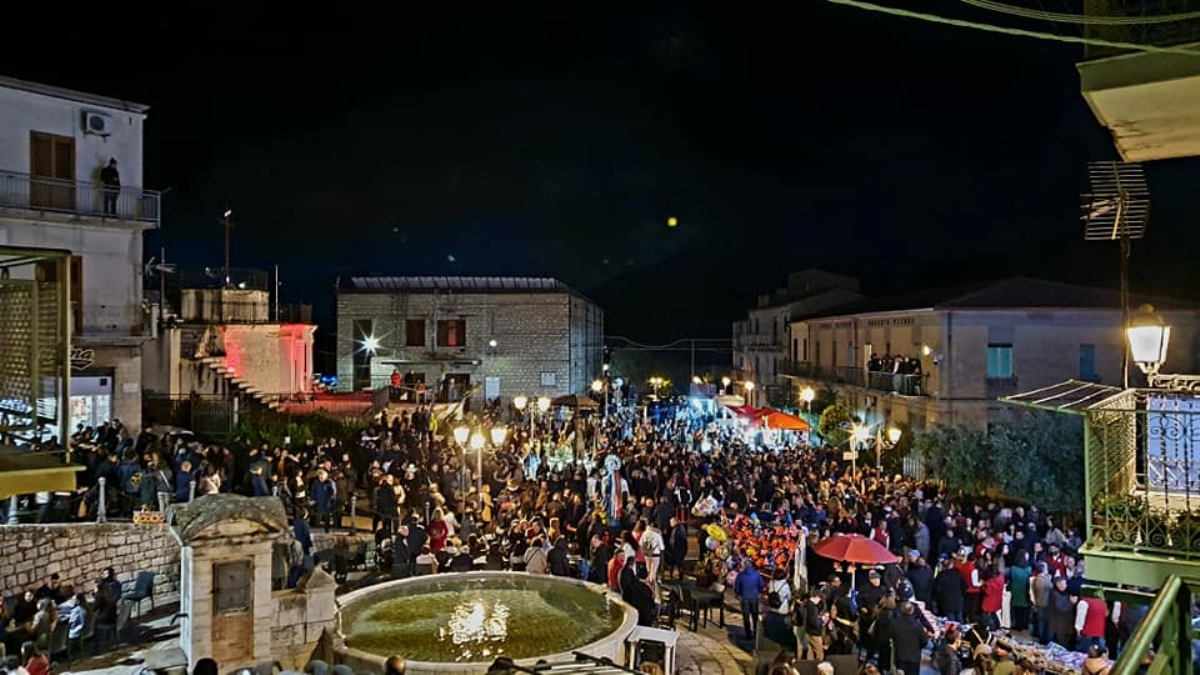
907, 638
639, 594
921, 578
558, 560
949, 588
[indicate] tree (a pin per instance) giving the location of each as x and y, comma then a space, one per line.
1039, 458
957, 455
834, 419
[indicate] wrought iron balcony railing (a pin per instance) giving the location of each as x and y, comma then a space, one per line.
34, 193
899, 383
1143, 479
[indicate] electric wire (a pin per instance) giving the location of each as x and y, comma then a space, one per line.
1016, 32
1082, 19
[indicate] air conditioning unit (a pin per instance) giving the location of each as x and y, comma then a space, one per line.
97, 123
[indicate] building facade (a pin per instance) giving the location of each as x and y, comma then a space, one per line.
54, 145
446, 335
945, 357
760, 340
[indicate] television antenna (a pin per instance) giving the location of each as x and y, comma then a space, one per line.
159, 267
1117, 209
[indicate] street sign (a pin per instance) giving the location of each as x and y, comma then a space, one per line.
849, 455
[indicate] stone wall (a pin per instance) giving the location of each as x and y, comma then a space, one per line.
29, 554
556, 334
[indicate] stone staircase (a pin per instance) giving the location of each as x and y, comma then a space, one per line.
235, 385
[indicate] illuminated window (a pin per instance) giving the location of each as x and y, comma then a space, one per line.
452, 333
999, 361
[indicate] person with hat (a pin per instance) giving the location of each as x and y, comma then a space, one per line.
1002, 657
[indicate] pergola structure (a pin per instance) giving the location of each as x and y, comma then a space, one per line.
1141, 478
35, 369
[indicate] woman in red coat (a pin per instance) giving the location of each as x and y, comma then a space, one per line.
438, 530
993, 597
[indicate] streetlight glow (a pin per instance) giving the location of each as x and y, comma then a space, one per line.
893, 435
543, 403
725, 382
1149, 337
461, 434
520, 401
477, 441
498, 435
370, 343
748, 386
808, 395
597, 386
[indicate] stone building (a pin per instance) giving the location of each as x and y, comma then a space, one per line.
446, 335
963, 348
54, 145
760, 340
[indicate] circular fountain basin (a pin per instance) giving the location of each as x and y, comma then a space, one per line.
461, 622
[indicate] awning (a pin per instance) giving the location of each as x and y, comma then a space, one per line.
777, 419
24, 473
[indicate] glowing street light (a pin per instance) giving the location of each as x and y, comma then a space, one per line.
370, 344
893, 435
597, 386
543, 404
462, 434
807, 396
477, 441
520, 401
499, 433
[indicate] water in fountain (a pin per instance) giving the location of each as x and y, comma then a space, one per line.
480, 619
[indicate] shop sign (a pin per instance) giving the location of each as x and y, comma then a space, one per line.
82, 359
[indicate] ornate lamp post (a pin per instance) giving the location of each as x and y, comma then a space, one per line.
461, 435
1149, 337
807, 396
599, 387
749, 387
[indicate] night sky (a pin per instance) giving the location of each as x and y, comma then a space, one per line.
542, 140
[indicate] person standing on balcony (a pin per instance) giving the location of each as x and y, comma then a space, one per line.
111, 179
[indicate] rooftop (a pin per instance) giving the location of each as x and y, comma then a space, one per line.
72, 95
461, 284
1013, 293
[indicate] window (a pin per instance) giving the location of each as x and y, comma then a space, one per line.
804, 351
999, 361
549, 379
452, 333
1087, 362
414, 333
231, 586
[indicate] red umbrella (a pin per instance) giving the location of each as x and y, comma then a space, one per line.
855, 548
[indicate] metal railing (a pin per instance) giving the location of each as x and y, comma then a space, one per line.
1162, 643
35, 193
903, 384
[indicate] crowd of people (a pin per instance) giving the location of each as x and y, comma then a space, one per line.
972, 564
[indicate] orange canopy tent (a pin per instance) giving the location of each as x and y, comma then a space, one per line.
775, 419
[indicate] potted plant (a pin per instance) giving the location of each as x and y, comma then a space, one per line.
1185, 533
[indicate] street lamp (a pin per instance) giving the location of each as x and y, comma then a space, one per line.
543, 404
520, 401
461, 435
882, 443
656, 382
1149, 337
597, 386
725, 382
807, 396
749, 387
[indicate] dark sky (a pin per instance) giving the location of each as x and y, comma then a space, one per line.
545, 139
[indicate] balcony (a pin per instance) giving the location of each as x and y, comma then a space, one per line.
756, 341
896, 383
77, 198
1150, 101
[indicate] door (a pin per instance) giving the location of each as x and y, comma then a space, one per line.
52, 171
455, 386
233, 612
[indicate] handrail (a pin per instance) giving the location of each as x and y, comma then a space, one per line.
82, 198
1168, 615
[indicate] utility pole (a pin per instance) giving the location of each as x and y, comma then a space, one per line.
276, 292
162, 289
227, 223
